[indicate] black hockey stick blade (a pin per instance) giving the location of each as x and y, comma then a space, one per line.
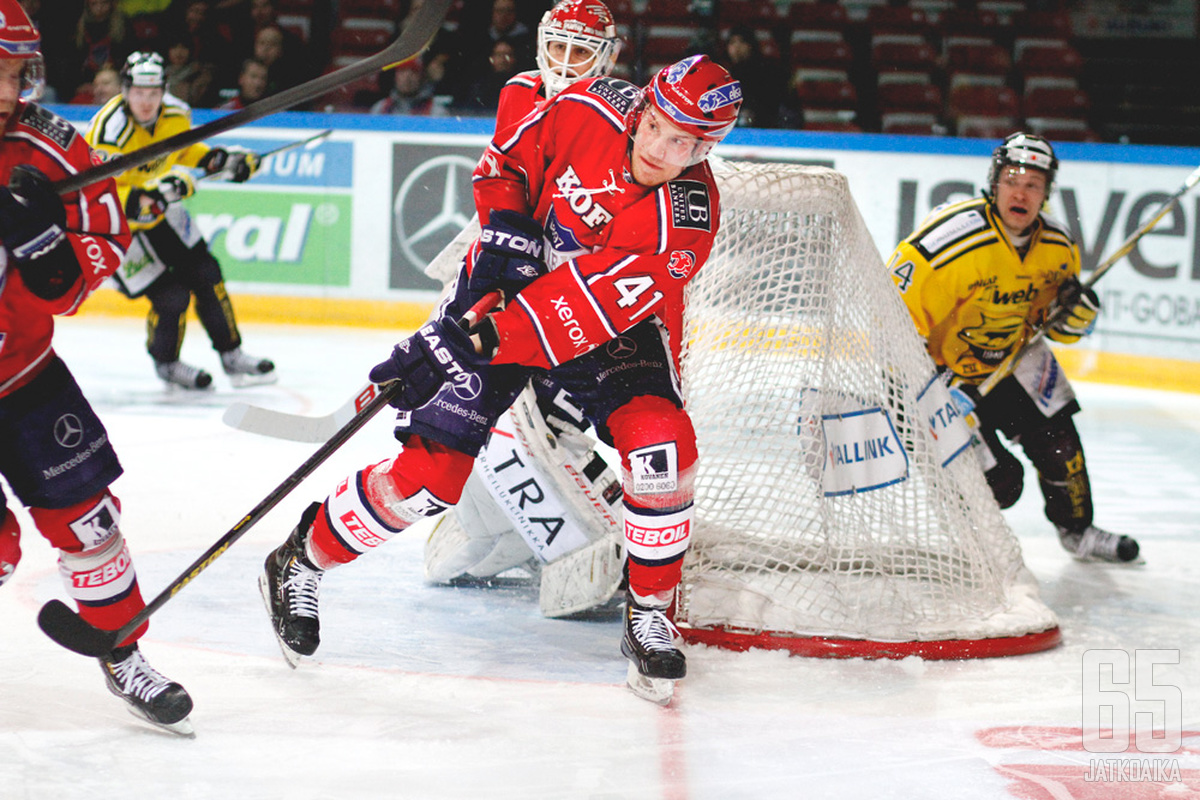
71, 631
412, 40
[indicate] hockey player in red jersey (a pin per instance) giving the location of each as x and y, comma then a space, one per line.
622, 218
54, 451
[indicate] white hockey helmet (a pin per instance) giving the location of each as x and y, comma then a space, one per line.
1023, 150
143, 69
579, 25
19, 39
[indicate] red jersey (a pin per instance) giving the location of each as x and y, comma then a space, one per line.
518, 97
621, 253
96, 230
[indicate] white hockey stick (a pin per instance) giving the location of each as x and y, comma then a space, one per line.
307, 144
314, 430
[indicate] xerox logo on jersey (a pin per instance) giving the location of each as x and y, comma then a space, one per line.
690, 206
654, 469
682, 264
617, 93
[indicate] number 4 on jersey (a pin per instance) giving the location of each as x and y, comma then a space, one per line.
903, 275
631, 289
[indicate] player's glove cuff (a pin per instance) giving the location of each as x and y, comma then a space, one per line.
509, 255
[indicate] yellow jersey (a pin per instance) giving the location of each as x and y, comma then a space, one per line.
971, 293
113, 132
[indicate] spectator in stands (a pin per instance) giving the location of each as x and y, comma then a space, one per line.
190, 80
210, 42
252, 85
483, 96
99, 38
284, 69
410, 91
473, 57
106, 83
759, 76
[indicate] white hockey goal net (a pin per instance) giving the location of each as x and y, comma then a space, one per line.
838, 510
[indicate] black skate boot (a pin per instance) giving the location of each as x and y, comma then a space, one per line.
290, 584
1097, 544
244, 370
152, 697
655, 663
177, 373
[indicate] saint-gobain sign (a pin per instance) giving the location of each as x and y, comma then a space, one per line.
431, 202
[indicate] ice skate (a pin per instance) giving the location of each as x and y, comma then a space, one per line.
290, 585
177, 373
655, 663
151, 696
1097, 544
244, 370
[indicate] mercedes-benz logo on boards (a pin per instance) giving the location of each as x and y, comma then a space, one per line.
433, 202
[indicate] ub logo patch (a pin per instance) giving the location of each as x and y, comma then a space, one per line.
617, 93
690, 205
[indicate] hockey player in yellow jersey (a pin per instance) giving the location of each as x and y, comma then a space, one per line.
978, 276
169, 261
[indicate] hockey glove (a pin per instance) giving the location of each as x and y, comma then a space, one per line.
440, 353
32, 226
510, 254
145, 205
1078, 306
175, 186
235, 164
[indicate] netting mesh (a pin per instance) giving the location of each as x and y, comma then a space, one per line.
792, 320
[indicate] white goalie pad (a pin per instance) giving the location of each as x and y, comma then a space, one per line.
534, 499
445, 265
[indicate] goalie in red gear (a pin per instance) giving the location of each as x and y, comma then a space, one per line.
54, 451
629, 213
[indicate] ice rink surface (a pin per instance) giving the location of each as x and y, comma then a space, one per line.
434, 692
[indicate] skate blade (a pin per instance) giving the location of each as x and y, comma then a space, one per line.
241, 381
656, 690
181, 728
289, 655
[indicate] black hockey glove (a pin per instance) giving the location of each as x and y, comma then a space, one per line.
145, 205
33, 224
175, 186
439, 353
510, 254
1078, 306
237, 164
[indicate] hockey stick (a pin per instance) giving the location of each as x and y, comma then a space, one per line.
313, 430
307, 144
70, 630
1009, 364
412, 40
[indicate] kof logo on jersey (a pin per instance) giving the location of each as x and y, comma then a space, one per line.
682, 264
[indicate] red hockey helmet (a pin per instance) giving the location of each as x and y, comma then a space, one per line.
19, 39
696, 95
578, 25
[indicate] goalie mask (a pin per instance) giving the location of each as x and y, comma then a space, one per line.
697, 96
576, 39
1027, 151
19, 39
